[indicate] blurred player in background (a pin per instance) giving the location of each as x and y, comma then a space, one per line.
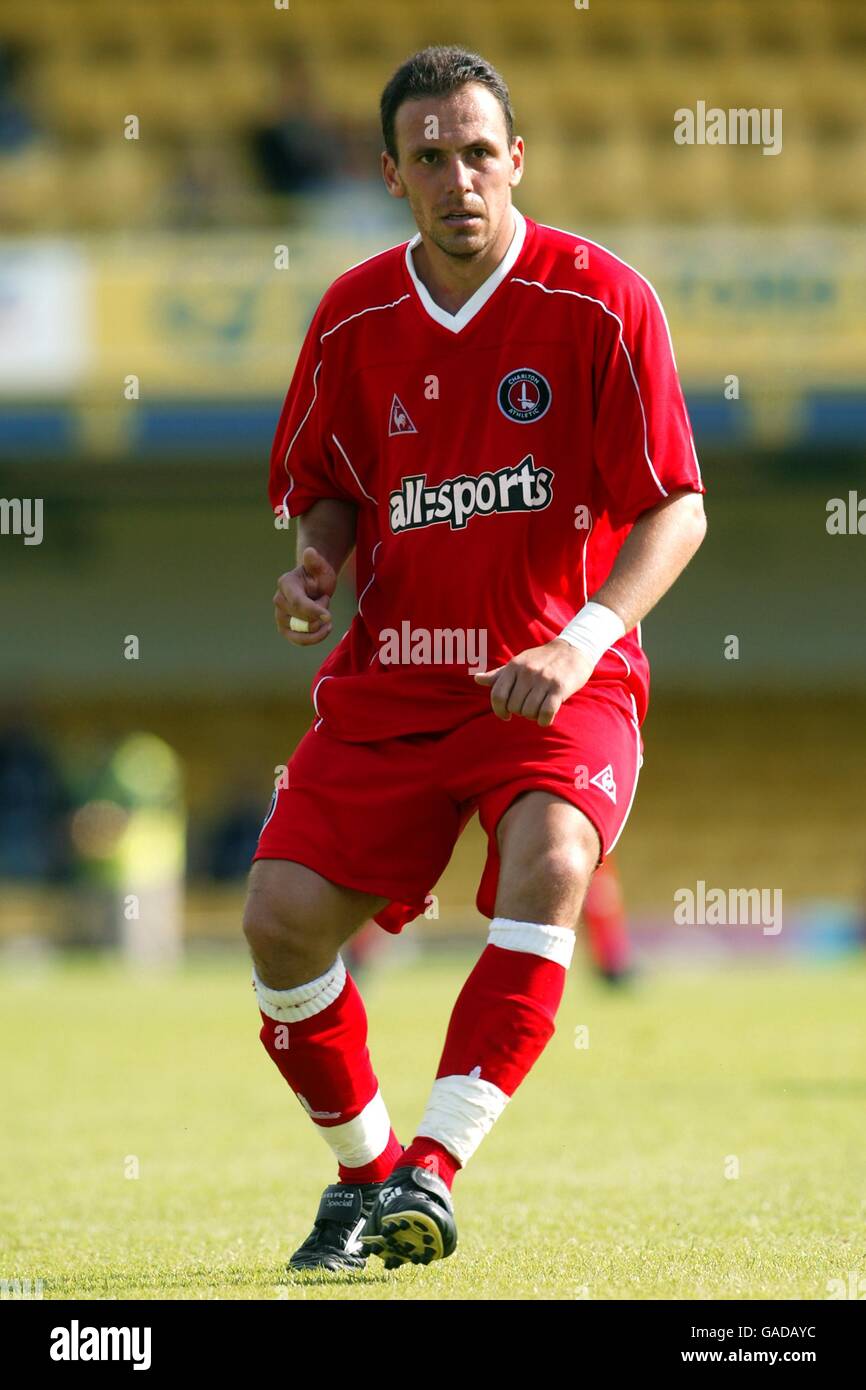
603, 919
606, 925
490, 415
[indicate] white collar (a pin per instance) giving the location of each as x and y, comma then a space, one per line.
455, 322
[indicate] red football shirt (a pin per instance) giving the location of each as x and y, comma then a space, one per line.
498, 458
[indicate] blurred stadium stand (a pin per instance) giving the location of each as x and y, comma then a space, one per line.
202, 74
257, 126
154, 258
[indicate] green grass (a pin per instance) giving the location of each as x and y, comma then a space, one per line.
605, 1177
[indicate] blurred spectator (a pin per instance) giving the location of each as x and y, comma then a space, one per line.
17, 128
297, 151
232, 841
223, 841
33, 808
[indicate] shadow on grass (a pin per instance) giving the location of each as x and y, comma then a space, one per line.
331, 1277
197, 1281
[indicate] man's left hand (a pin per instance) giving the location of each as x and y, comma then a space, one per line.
536, 682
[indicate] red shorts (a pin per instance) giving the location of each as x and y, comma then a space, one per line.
384, 817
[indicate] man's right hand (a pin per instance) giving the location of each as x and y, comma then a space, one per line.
305, 593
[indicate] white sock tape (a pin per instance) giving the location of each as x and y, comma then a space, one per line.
460, 1111
303, 1001
358, 1141
536, 938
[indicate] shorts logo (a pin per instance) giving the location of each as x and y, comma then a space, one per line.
522, 488
524, 395
604, 780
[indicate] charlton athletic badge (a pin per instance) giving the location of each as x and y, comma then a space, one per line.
524, 395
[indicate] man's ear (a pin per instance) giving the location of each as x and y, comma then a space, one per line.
518, 155
391, 175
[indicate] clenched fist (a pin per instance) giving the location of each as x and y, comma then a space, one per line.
305, 593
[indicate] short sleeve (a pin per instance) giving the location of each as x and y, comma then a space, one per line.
642, 437
305, 463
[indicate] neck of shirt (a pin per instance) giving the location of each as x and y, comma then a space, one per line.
479, 297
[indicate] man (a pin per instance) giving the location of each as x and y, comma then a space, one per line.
604, 919
490, 415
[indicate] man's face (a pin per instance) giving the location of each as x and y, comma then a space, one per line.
455, 167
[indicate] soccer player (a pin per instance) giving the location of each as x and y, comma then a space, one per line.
490, 415
604, 918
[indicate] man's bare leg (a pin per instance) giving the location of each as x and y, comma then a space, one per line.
314, 1027
500, 1024
296, 921
548, 851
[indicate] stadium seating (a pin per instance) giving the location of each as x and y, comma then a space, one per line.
594, 90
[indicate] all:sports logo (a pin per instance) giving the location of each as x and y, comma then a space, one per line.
521, 488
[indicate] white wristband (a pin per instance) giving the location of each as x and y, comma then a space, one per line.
593, 630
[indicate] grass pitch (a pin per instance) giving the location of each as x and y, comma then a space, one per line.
610, 1175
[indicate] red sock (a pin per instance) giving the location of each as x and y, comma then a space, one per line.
502, 1021
317, 1036
427, 1153
503, 1018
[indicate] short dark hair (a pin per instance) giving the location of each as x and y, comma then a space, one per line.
437, 72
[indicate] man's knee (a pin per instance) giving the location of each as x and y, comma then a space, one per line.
295, 917
549, 851
271, 926
274, 914
564, 864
